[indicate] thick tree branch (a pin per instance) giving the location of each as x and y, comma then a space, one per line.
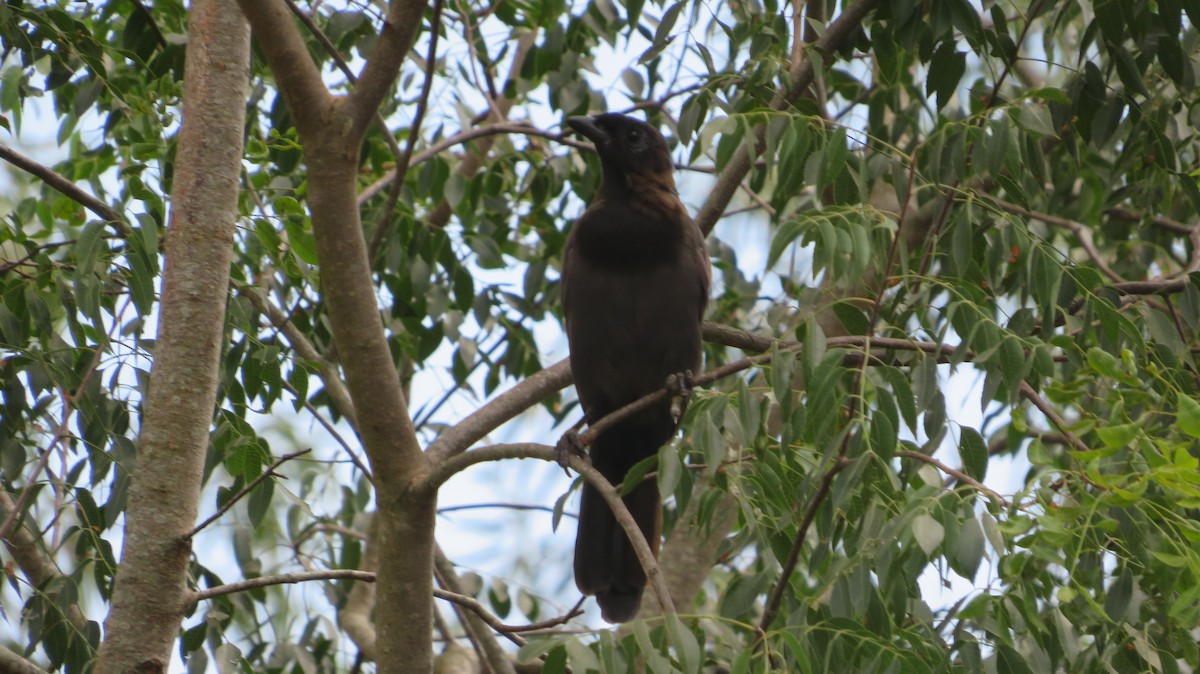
299, 80
12, 663
395, 39
504, 407
330, 49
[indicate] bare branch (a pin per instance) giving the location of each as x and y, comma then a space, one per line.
459, 462
281, 579
395, 39
800, 78
269, 472
1054, 417
12, 663
957, 474
510, 631
299, 80
68, 188
502, 408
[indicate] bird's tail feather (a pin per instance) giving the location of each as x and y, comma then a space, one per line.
605, 563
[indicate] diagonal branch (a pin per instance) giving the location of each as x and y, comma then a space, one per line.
299, 80
580, 465
800, 77
269, 472
956, 474
395, 39
68, 188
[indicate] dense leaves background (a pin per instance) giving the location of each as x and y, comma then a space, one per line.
1009, 190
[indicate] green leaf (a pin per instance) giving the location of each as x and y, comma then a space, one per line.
259, 501
686, 646
974, 452
968, 549
1188, 416
1009, 661
852, 318
946, 69
749, 414
669, 469
1115, 437
1120, 594
928, 532
657, 663
300, 240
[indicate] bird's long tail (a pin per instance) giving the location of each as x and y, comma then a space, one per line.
605, 563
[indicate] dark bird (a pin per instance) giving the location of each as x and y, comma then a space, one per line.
635, 280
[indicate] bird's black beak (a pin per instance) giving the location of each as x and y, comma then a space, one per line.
586, 127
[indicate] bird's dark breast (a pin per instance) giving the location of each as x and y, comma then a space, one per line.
635, 298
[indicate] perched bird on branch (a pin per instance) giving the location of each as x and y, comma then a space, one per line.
635, 280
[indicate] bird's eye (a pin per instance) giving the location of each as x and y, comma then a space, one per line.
634, 135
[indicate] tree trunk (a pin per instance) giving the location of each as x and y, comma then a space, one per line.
148, 600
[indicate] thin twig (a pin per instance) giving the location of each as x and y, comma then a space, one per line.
282, 579
957, 474
789, 566
59, 182
269, 472
332, 430
9, 264
1040, 403
1080, 230
510, 631
384, 221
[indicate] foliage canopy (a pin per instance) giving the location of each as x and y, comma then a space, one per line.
1008, 194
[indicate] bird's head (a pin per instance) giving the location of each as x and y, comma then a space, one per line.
630, 150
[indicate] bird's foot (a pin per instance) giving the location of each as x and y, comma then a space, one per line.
567, 445
679, 387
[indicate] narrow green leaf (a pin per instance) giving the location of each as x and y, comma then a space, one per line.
946, 69
686, 646
974, 452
